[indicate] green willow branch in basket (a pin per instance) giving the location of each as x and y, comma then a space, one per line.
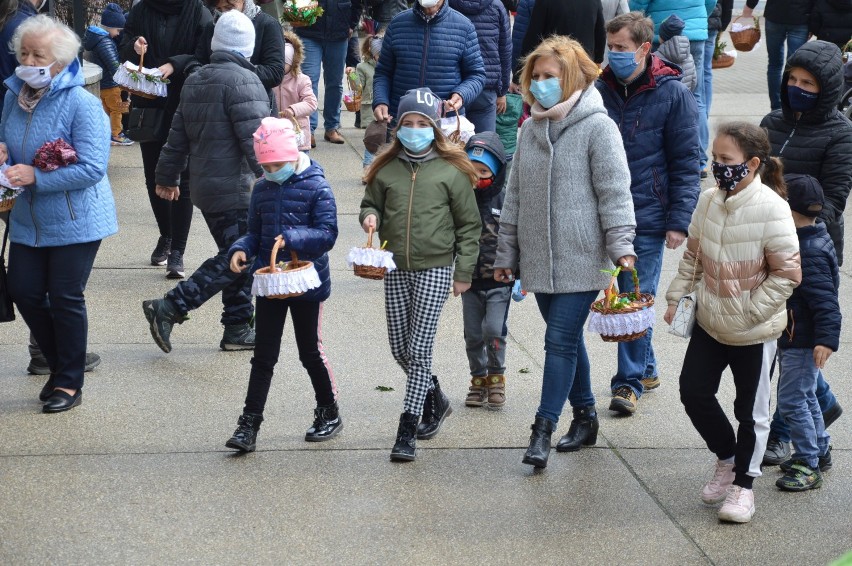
612, 299
306, 15
137, 76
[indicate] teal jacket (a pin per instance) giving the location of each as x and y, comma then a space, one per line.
693, 12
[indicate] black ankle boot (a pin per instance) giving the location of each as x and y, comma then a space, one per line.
327, 423
246, 434
403, 450
539, 450
435, 410
582, 432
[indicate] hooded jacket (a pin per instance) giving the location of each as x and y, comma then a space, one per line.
790, 12
831, 20
819, 142
676, 50
104, 53
441, 52
519, 31
581, 19
303, 210
73, 204
659, 130
221, 106
693, 12
491, 21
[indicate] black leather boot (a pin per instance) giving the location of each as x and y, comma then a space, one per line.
327, 423
246, 434
435, 410
539, 450
582, 432
403, 450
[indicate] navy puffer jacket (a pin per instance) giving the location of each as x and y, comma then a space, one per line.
104, 53
813, 312
659, 126
519, 30
339, 16
441, 53
303, 210
491, 21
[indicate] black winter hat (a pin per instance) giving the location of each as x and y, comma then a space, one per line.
671, 27
113, 16
804, 194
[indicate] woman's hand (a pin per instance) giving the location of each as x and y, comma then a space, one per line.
503, 275
369, 223
627, 262
238, 261
4, 153
669, 316
459, 288
141, 46
168, 193
167, 70
821, 354
21, 175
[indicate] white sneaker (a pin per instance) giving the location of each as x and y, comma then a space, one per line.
738, 506
716, 490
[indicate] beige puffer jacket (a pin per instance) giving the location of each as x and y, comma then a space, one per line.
747, 265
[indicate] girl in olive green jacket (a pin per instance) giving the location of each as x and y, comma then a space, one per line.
419, 197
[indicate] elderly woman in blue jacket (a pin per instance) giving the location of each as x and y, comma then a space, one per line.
59, 220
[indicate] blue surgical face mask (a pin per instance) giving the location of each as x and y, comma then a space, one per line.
623, 63
801, 100
281, 175
548, 92
415, 140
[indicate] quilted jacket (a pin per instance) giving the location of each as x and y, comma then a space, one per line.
440, 52
221, 107
693, 12
746, 268
831, 20
303, 210
491, 21
519, 30
813, 312
791, 12
659, 128
74, 204
819, 142
676, 50
339, 16
104, 54
296, 92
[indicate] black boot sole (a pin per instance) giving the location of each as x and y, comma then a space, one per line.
326, 437
401, 457
236, 445
535, 462
440, 423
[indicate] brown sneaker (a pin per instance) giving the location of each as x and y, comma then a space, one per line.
334, 136
313, 141
477, 393
651, 383
496, 391
624, 401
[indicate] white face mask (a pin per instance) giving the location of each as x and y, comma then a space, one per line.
36, 77
428, 3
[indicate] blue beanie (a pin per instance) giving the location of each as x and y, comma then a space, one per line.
113, 16
671, 27
485, 157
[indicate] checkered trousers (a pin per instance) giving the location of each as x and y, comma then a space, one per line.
413, 303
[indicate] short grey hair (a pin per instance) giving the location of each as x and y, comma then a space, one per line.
64, 44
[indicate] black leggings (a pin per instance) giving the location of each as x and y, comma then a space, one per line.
270, 316
173, 217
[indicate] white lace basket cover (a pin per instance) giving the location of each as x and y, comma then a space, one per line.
371, 257
140, 80
621, 324
294, 278
615, 326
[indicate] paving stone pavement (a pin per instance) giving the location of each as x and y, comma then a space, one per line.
139, 473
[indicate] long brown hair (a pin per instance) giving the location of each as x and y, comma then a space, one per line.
754, 142
449, 152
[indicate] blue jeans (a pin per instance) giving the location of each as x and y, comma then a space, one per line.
798, 404
776, 34
636, 359
825, 397
707, 92
566, 363
482, 111
331, 57
696, 49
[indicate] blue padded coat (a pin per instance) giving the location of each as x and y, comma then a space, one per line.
73, 204
493, 29
519, 30
303, 210
659, 126
104, 54
441, 53
693, 12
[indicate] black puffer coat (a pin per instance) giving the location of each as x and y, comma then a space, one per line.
221, 107
819, 142
790, 12
831, 20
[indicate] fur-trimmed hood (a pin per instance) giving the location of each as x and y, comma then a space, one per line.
298, 51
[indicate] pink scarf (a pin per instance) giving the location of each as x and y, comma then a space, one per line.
556, 112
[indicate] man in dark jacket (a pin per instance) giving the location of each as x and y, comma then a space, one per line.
325, 45
581, 19
831, 20
786, 21
221, 106
493, 30
658, 119
430, 45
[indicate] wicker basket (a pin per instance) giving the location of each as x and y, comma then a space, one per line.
127, 82
746, 39
353, 104
292, 266
723, 61
638, 302
369, 271
302, 16
7, 204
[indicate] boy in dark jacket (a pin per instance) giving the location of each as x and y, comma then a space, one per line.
99, 40
811, 336
486, 304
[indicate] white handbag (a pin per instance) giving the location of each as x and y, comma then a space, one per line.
684, 316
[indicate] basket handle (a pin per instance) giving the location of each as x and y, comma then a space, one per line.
370, 237
141, 60
279, 241
458, 124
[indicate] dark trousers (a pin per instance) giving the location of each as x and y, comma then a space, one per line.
173, 217
700, 377
307, 327
60, 325
215, 273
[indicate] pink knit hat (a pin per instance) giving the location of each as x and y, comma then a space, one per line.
275, 141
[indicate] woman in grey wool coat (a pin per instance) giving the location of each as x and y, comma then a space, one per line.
562, 224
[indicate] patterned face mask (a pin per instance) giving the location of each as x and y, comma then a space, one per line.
727, 176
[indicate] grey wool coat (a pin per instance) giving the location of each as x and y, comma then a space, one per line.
568, 212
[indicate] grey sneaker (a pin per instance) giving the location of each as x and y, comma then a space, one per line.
237, 337
776, 451
162, 316
174, 266
38, 364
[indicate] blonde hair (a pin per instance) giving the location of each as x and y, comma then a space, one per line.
578, 70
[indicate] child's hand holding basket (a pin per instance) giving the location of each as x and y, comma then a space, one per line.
369, 262
287, 279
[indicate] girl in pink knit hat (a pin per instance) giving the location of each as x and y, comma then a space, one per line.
294, 201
